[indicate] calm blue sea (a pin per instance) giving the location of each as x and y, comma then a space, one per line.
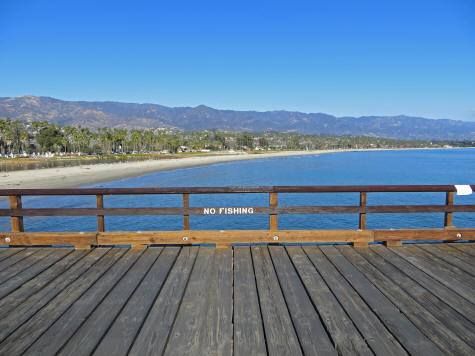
451, 166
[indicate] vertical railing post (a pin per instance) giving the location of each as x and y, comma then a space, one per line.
449, 200
186, 218
17, 221
100, 218
273, 222
363, 200
362, 223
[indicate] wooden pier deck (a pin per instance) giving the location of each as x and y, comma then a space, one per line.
248, 300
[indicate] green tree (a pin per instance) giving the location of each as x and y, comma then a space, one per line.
50, 138
263, 142
245, 141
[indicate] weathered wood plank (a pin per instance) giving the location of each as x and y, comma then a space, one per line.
439, 259
153, 335
280, 335
44, 315
468, 248
34, 286
87, 336
21, 338
61, 330
24, 276
449, 248
437, 251
347, 339
8, 251
438, 271
120, 336
313, 338
23, 265
216, 335
375, 333
185, 335
17, 257
448, 318
13, 318
413, 340
461, 305
249, 336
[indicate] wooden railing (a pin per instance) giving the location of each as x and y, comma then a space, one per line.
359, 237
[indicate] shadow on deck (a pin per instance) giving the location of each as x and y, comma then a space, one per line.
249, 300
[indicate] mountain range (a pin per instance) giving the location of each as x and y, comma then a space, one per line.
130, 115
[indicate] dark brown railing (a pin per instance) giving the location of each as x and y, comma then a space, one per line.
359, 237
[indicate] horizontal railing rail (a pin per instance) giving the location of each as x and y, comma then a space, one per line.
259, 210
359, 237
235, 189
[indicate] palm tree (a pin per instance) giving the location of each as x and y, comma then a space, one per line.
118, 138
15, 133
4, 125
136, 139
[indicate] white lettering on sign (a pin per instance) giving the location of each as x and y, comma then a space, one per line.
227, 211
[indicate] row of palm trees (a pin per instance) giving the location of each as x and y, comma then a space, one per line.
17, 137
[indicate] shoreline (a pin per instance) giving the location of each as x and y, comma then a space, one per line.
75, 176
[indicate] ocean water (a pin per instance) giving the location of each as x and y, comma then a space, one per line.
451, 166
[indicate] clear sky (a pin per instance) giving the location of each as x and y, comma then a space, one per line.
381, 57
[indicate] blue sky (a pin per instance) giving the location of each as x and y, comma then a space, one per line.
339, 57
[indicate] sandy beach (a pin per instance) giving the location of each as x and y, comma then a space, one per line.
70, 177
75, 176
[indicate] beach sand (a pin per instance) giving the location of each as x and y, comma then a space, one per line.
70, 177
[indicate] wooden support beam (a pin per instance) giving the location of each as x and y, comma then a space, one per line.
17, 221
393, 243
449, 200
81, 240
273, 222
138, 246
363, 200
100, 218
82, 247
225, 238
223, 245
425, 234
186, 218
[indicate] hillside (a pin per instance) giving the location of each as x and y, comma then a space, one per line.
130, 115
